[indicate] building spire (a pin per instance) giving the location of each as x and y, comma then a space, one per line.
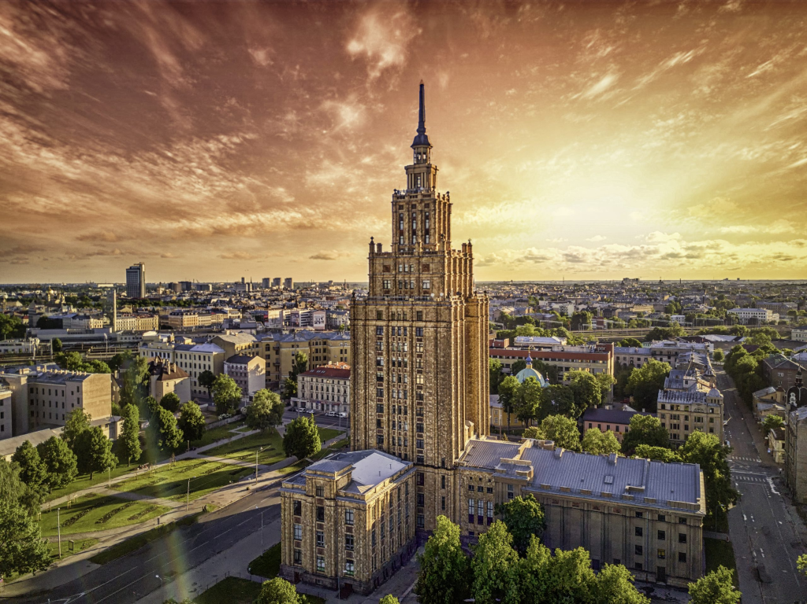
421, 140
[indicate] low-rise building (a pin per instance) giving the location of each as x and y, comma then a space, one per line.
166, 377
617, 420
594, 359
769, 401
6, 413
780, 371
799, 335
776, 444
183, 319
249, 372
758, 315
684, 411
321, 348
237, 343
325, 388
26, 347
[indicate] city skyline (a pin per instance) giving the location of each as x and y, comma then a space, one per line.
213, 141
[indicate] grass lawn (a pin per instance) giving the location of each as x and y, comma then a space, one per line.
217, 433
328, 433
83, 481
170, 481
79, 546
231, 590
720, 553
244, 448
295, 467
93, 512
267, 564
135, 543
338, 445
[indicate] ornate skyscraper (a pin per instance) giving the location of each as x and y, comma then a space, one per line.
419, 383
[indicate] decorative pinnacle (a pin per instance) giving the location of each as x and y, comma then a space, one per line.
421, 139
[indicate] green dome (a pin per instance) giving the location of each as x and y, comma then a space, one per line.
529, 372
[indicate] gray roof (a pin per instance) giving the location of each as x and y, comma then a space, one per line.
488, 453
369, 468
613, 416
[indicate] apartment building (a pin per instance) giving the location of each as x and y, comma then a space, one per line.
183, 319
237, 343
799, 335
684, 411
321, 348
324, 388
594, 359
6, 412
138, 322
760, 315
249, 372
166, 377
191, 358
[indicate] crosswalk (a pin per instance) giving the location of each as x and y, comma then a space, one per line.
749, 478
736, 458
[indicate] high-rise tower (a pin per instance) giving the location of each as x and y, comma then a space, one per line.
419, 384
136, 281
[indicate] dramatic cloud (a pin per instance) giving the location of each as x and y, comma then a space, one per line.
215, 140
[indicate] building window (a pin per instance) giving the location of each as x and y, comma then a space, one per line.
349, 542
379, 330
298, 532
419, 315
320, 491
320, 564
662, 554
349, 517
349, 568
637, 549
662, 518
682, 537
298, 557
442, 482
320, 539
320, 513
443, 503
421, 500
298, 508
419, 332
510, 493
637, 531
662, 535
682, 520
638, 566
471, 504
640, 514
682, 557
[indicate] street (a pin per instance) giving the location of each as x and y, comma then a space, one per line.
320, 418
127, 579
762, 526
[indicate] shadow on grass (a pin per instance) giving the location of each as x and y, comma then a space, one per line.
176, 488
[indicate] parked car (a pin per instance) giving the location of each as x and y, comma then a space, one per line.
343, 414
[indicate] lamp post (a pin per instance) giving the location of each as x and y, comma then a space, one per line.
188, 496
59, 530
256, 462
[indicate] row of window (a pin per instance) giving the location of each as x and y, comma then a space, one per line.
660, 535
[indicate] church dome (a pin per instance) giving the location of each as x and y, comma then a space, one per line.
529, 372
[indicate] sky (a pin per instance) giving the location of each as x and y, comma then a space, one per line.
579, 140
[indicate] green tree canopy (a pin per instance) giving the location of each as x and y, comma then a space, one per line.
508, 389
443, 577
163, 431
11, 327
191, 421
206, 380
129, 441
718, 356
614, 585
279, 591
712, 456
657, 453
265, 411
586, 390
597, 442
22, 550
644, 430
496, 376
94, 452
772, 422
562, 431
527, 401
630, 343
171, 402
714, 588
77, 422
226, 394
389, 599
557, 400
644, 383
495, 567
301, 438
56, 345
524, 518
32, 470
60, 462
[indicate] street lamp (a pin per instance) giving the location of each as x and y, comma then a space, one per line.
256, 463
160, 578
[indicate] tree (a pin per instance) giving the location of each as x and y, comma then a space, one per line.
712, 456
586, 390
657, 453
581, 320
718, 356
801, 564
265, 411
495, 567
226, 394
524, 518
496, 376
134, 376
163, 431
191, 421
644, 430
60, 462
557, 400
600, 443
772, 422
508, 389
630, 343
533, 432
22, 550
206, 380
77, 422
564, 577
605, 381
527, 401
14, 490
301, 438
614, 585
32, 471
129, 441
171, 402
516, 367
300, 365
289, 388
94, 452
644, 383
389, 599
443, 566
11, 327
279, 591
714, 588
56, 345
562, 431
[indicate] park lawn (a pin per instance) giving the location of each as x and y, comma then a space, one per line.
267, 564
244, 449
326, 434
720, 553
232, 590
84, 482
170, 481
92, 512
216, 434
79, 545
295, 467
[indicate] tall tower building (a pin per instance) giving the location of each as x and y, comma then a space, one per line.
419, 383
136, 281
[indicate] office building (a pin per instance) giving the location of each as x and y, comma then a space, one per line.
136, 281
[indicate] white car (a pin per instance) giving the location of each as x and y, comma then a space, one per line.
342, 414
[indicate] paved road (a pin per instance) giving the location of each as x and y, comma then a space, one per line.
321, 419
128, 579
762, 525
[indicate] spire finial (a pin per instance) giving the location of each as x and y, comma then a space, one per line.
421, 139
